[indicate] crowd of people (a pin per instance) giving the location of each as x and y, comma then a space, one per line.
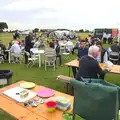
89, 51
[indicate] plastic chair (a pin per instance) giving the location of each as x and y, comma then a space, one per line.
32, 60
50, 57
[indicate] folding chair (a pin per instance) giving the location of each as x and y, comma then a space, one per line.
32, 60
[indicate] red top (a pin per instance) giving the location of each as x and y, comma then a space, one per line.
19, 43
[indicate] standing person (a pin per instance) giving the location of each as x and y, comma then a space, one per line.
109, 37
104, 37
57, 49
28, 45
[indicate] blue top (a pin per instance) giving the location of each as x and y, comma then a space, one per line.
82, 52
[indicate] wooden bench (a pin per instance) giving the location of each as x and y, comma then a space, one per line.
66, 80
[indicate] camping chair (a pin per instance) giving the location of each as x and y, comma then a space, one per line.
50, 57
114, 57
95, 100
32, 60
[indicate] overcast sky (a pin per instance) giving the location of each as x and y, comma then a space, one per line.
72, 14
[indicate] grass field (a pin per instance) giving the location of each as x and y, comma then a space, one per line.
40, 76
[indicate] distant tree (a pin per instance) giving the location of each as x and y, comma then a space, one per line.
36, 30
81, 30
87, 31
3, 25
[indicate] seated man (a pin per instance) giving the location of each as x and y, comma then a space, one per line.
89, 67
15, 50
82, 50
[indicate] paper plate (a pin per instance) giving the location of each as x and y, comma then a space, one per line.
46, 92
27, 85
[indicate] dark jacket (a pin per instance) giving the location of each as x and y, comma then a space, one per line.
82, 52
2, 47
89, 68
57, 49
28, 43
115, 48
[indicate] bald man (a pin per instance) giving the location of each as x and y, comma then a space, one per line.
89, 67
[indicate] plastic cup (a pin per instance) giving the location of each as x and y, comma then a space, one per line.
51, 106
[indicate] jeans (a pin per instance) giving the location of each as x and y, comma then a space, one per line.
74, 70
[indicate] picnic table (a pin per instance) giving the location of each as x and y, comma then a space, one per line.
75, 63
19, 111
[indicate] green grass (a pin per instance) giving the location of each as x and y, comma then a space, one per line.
5, 116
40, 76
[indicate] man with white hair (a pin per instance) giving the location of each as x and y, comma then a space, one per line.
15, 51
89, 67
15, 48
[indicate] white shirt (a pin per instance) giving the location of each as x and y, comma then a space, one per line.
15, 48
37, 44
104, 35
108, 36
69, 45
